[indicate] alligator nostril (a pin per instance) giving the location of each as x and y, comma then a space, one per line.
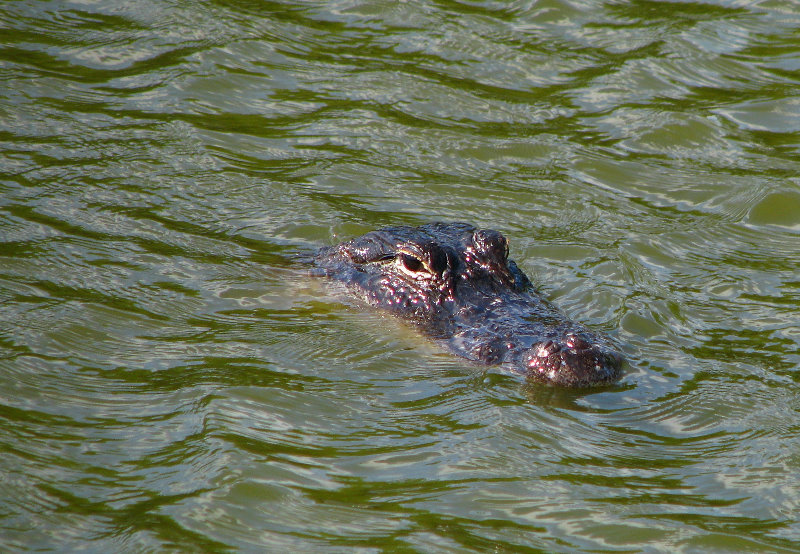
578, 342
546, 349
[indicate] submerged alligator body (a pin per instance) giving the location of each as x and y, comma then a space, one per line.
456, 283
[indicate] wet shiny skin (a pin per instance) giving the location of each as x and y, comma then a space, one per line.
456, 283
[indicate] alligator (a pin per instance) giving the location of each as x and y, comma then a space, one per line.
456, 284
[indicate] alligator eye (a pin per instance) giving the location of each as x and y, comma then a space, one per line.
491, 243
410, 262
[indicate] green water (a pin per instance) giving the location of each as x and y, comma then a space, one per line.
171, 379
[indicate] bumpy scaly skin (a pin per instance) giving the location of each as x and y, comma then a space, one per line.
457, 284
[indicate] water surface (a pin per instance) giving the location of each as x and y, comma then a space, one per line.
171, 379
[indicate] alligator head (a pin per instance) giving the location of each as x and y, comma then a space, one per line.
457, 284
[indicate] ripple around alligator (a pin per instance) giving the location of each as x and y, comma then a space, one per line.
170, 379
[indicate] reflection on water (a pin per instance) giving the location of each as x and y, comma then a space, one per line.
172, 379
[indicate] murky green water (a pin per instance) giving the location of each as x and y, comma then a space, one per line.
171, 380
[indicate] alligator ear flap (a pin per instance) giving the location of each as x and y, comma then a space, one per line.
369, 248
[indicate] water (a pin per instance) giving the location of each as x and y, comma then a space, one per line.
170, 378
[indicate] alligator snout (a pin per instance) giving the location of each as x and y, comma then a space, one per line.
573, 361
